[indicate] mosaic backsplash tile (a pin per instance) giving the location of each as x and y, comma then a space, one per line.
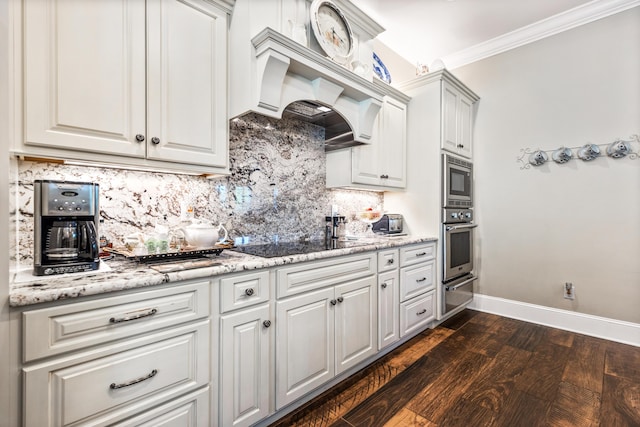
276, 190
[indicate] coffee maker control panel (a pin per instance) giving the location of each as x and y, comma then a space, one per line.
68, 199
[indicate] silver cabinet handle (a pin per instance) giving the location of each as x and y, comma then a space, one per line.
421, 312
115, 386
155, 140
134, 317
340, 299
139, 137
421, 280
266, 323
383, 286
466, 282
384, 176
421, 254
390, 261
249, 291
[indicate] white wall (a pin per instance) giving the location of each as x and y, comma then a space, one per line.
578, 222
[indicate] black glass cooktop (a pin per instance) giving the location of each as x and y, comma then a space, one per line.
272, 250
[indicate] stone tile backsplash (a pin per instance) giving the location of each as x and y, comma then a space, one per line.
276, 190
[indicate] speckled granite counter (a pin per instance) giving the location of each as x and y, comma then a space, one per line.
123, 274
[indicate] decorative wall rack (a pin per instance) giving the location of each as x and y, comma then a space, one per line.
617, 149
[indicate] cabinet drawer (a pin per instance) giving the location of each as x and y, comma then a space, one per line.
58, 329
388, 260
244, 290
189, 410
318, 274
416, 313
107, 385
411, 255
416, 280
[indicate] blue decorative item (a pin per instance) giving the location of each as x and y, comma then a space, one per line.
380, 70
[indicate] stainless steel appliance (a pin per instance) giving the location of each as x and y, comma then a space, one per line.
388, 224
457, 182
65, 227
457, 259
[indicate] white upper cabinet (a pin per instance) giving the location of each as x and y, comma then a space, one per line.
381, 165
138, 83
457, 120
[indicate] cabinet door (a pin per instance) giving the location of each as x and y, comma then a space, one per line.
388, 308
450, 100
465, 126
356, 325
187, 82
383, 163
84, 75
244, 369
392, 144
304, 344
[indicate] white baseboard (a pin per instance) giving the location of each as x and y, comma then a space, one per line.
595, 326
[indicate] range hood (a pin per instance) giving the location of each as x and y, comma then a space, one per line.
337, 132
285, 78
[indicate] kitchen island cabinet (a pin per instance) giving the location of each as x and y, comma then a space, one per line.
127, 91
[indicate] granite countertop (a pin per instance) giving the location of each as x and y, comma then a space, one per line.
120, 273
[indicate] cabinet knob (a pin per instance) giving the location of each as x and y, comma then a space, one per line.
340, 299
266, 323
384, 176
333, 302
383, 286
155, 140
139, 137
390, 261
249, 291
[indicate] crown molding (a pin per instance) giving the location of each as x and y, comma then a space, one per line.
589, 12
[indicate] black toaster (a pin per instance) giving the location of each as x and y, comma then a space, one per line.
388, 224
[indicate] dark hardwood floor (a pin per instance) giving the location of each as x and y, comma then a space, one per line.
479, 369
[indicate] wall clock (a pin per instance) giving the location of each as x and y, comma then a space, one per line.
332, 30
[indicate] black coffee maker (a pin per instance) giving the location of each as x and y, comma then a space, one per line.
65, 227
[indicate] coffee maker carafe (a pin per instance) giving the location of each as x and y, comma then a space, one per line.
65, 227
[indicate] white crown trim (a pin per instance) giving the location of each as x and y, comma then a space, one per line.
589, 12
595, 326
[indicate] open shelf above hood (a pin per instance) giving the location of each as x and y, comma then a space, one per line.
283, 71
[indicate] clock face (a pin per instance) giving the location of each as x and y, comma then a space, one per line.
332, 30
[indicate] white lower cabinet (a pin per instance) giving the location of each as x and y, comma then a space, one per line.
417, 287
246, 347
245, 359
388, 298
134, 359
322, 333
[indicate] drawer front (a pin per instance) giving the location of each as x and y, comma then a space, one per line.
189, 410
244, 290
415, 254
388, 260
318, 274
55, 330
109, 388
416, 280
416, 313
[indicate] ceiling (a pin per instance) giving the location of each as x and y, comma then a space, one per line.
422, 31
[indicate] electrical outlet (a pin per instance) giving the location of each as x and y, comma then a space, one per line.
569, 291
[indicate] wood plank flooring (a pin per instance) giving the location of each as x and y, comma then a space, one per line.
479, 369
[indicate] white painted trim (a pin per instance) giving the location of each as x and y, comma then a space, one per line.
595, 326
572, 18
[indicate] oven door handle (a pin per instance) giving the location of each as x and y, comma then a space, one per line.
466, 282
460, 227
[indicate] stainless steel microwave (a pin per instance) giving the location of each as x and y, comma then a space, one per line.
457, 182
